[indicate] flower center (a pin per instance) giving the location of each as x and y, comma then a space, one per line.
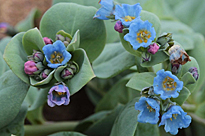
56, 57
173, 116
58, 95
150, 108
169, 84
128, 18
143, 36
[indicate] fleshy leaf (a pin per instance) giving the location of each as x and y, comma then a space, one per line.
32, 40
126, 123
183, 95
92, 32
113, 60
16, 126
141, 80
85, 73
119, 93
15, 57
75, 42
12, 94
36, 97
157, 58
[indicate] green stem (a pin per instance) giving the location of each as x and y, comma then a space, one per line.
189, 107
36, 116
197, 118
49, 128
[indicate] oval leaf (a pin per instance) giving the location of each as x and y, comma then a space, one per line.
12, 94
92, 32
32, 40
113, 60
141, 80
15, 57
85, 73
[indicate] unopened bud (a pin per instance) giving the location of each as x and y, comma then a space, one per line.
153, 48
67, 73
30, 67
60, 37
145, 57
119, 27
40, 67
38, 56
175, 68
164, 39
45, 73
47, 40
194, 72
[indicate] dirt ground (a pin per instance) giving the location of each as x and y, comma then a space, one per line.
13, 11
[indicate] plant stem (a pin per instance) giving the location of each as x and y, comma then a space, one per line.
197, 118
49, 128
189, 107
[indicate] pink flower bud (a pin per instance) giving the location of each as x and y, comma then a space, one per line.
47, 40
118, 26
30, 67
153, 48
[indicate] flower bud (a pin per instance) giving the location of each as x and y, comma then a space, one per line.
74, 66
145, 57
38, 56
67, 73
60, 37
175, 67
45, 73
30, 67
178, 55
164, 39
153, 48
118, 26
194, 72
3, 27
47, 40
40, 67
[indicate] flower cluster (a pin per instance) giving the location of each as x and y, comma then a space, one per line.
55, 59
165, 86
141, 34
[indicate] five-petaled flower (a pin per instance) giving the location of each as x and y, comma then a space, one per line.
141, 34
58, 95
127, 14
107, 9
149, 110
167, 85
175, 118
56, 54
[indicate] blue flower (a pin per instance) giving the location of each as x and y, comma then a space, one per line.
56, 54
58, 95
141, 34
175, 118
149, 110
107, 8
167, 85
127, 13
